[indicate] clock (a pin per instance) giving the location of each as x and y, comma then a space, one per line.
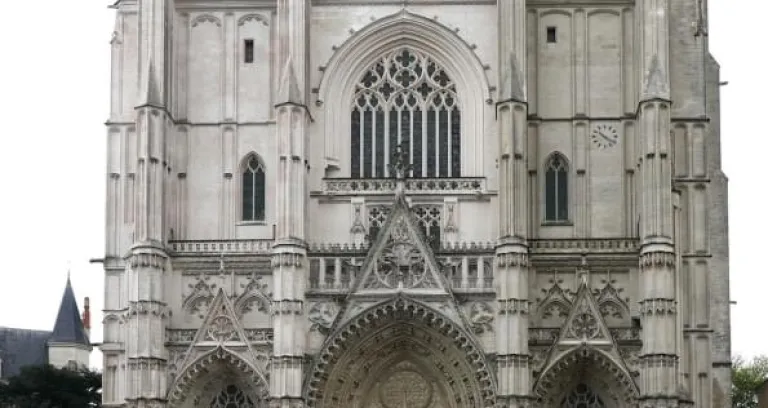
604, 136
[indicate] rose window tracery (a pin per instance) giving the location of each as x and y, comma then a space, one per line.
406, 98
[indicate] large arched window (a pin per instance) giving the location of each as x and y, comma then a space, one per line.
582, 397
556, 189
231, 397
253, 189
406, 99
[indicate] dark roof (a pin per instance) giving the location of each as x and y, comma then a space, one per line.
69, 326
20, 347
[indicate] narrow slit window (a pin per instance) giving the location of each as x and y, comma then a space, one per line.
551, 35
248, 51
556, 189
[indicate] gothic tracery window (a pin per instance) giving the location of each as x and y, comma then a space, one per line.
582, 397
556, 189
231, 397
407, 99
253, 190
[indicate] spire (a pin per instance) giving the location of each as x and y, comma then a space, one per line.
289, 86
150, 94
69, 327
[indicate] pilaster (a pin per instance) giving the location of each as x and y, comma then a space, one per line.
289, 260
147, 261
513, 359
658, 260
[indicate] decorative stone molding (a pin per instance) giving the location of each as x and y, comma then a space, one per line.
511, 260
548, 335
513, 306
294, 260
147, 260
557, 302
254, 294
658, 307
398, 309
657, 260
200, 297
146, 364
187, 336
147, 307
415, 186
283, 307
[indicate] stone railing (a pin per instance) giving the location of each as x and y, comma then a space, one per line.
537, 246
337, 274
594, 245
418, 186
226, 247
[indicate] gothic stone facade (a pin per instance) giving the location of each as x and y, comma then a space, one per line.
422, 203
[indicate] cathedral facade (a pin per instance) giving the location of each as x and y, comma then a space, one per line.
421, 203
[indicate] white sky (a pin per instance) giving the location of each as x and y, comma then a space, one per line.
54, 100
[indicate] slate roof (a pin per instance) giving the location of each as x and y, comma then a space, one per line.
69, 326
20, 347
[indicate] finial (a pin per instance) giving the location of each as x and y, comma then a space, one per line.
69, 269
400, 167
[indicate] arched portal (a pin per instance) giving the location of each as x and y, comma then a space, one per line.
400, 354
219, 379
586, 377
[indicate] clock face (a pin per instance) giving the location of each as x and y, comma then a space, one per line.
604, 136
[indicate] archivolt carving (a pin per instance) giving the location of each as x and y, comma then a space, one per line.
387, 325
217, 358
557, 378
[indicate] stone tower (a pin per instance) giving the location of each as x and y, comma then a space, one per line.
458, 203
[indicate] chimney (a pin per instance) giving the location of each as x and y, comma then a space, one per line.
87, 316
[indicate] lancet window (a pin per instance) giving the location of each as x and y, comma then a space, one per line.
231, 397
556, 189
582, 397
253, 189
406, 98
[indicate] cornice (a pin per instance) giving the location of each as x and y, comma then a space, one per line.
188, 5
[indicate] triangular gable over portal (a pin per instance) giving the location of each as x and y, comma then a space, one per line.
584, 328
220, 328
400, 259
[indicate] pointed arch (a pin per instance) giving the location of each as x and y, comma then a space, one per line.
591, 366
217, 368
253, 188
556, 188
426, 36
402, 329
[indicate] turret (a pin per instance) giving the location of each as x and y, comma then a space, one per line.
69, 345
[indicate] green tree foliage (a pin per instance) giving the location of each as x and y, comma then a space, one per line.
50, 387
747, 376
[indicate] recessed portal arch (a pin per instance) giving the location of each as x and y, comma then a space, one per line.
400, 342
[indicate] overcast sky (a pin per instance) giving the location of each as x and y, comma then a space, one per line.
54, 91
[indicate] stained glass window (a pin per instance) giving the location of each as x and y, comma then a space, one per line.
232, 397
405, 98
254, 190
582, 397
556, 189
